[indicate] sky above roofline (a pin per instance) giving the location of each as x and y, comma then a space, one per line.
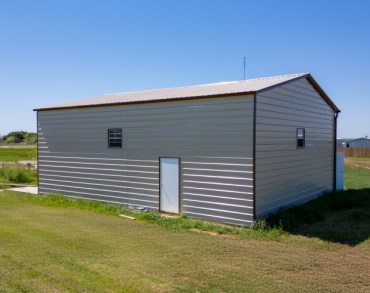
56, 51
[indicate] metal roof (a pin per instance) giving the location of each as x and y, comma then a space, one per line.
359, 139
189, 92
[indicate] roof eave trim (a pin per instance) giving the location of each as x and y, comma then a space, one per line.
313, 82
322, 93
281, 83
146, 102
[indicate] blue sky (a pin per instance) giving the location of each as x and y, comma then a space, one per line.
57, 51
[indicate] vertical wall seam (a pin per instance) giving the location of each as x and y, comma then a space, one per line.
335, 152
254, 154
159, 184
37, 149
180, 197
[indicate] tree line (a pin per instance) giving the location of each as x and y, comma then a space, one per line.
19, 137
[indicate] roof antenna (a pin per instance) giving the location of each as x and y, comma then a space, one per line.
244, 63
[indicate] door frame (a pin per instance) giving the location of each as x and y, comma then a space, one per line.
159, 179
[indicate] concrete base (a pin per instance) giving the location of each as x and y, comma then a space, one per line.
28, 189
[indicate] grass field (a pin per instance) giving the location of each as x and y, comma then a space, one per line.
56, 244
360, 159
356, 178
18, 154
48, 247
357, 173
18, 175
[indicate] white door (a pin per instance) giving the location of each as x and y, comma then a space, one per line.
169, 185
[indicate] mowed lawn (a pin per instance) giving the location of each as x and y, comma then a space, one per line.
59, 245
357, 173
47, 248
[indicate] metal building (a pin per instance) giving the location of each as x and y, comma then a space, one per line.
229, 152
362, 142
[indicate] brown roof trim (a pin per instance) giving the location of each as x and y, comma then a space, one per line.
281, 83
308, 76
254, 154
318, 88
146, 102
315, 85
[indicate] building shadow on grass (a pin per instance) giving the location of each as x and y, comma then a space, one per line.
340, 217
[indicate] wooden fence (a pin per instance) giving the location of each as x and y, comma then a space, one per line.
355, 152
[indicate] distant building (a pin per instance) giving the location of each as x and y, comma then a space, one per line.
362, 142
341, 143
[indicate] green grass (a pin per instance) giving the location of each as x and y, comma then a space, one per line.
20, 175
53, 243
356, 178
18, 154
342, 217
180, 223
359, 159
58, 245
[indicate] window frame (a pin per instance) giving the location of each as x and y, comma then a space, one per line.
116, 130
303, 144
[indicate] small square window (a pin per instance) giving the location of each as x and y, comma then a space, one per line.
301, 137
115, 138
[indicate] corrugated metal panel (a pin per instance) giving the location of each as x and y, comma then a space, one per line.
359, 143
223, 88
212, 137
286, 175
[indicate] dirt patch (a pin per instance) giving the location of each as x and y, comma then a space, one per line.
228, 236
356, 163
168, 215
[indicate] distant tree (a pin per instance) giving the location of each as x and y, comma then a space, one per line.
30, 138
11, 139
19, 135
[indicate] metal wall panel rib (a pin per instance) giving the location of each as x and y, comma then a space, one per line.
213, 138
286, 175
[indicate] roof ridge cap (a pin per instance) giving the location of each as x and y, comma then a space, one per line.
207, 84
170, 88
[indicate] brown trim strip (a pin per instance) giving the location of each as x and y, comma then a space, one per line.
254, 153
149, 101
37, 149
335, 152
308, 76
322, 93
281, 83
315, 85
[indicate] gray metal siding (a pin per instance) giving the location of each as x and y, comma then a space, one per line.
359, 143
212, 137
286, 175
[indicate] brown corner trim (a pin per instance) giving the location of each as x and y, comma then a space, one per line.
37, 149
254, 154
315, 85
321, 92
335, 152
